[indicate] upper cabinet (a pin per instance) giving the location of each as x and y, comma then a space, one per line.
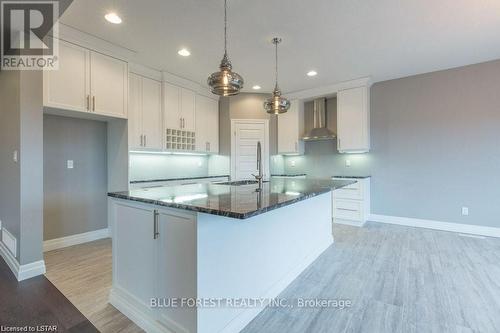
145, 114
290, 129
207, 125
353, 120
179, 117
87, 81
108, 85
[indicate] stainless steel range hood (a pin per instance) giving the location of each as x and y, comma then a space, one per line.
319, 132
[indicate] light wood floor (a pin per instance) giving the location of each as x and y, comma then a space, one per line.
83, 274
398, 279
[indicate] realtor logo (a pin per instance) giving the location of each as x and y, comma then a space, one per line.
26, 26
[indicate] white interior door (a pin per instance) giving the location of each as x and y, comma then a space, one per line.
246, 134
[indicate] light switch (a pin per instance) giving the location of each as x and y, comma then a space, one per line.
347, 163
465, 211
70, 164
15, 156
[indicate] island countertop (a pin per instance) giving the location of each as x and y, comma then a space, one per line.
240, 202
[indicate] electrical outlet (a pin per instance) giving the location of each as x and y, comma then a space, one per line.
15, 156
292, 163
70, 164
465, 211
347, 163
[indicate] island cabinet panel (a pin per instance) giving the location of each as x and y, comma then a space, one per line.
134, 252
177, 268
291, 129
353, 120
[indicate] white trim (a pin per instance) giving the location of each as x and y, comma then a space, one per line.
437, 225
349, 222
9, 241
134, 310
21, 272
328, 91
245, 317
85, 237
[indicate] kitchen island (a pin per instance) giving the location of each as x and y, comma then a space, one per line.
190, 258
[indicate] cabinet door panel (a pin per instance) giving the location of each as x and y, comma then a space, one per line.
134, 252
177, 249
207, 124
353, 120
213, 125
188, 109
135, 112
68, 87
108, 82
151, 113
172, 106
288, 129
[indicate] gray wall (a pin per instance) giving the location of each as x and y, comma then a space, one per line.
435, 147
21, 183
75, 200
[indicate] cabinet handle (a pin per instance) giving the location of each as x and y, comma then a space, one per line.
88, 102
209, 146
180, 120
296, 146
145, 140
93, 103
156, 233
183, 123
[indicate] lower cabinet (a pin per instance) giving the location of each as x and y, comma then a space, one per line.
147, 244
351, 204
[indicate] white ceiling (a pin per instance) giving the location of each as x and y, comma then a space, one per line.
340, 39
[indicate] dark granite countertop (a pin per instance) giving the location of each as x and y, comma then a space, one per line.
240, 202
289, 175
173, 179
351, 177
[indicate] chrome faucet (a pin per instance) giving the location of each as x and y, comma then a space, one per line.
260, 176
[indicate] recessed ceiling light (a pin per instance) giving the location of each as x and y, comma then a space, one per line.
184, 52
256, 87
312, 73
113, 18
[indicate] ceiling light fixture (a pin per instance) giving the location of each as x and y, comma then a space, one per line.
256, 87
225, 82
184, 52
312, 73
276, 104
113, 18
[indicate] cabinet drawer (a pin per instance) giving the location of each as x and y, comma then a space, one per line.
353, 191
348, 210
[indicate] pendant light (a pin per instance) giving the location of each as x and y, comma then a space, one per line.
225, 82
276, 104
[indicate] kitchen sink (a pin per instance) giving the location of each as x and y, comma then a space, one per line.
241, 182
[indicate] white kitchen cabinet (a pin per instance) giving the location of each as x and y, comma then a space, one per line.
68, 87
87, 81
351, 204
108, 85
179, 118
134, 269
353, 120
176, 246
207, 124
145, 116
291, 129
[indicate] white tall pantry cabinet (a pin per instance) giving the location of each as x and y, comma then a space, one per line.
291, 129
207, 124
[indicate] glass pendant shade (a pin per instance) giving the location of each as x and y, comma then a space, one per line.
276, 104
225, 82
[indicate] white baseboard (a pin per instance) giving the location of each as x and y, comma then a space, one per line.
21, 272
134, 310
59, 243
437, 225
349, 222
